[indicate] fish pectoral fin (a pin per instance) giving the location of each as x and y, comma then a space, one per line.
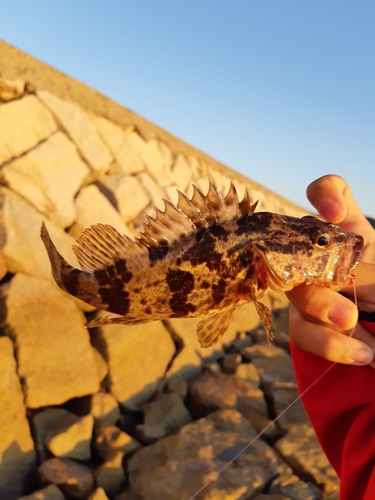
211, 329
114, 319
264, 314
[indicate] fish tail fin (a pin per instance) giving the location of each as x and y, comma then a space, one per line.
61, 269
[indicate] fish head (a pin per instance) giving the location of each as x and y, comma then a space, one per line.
307, 250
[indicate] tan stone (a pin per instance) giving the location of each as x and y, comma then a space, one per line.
109, 440
55, 357
22, 247
130, 197
72, 439
98, 494
105, 409
154, 192
17, 454
111, 476
125, 145
181, 173
101, 365
158, 159
186, 364
245, 318
93, 208
23, 124
48, 177
81, 130
11, 89
75, 480
52, 492
138, 357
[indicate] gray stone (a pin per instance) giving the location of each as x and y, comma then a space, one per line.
230, 362
294, 488
301, 449
247, 371
76, 481
137, 357
17, 454
111, 475
55, 358
81, 130
48, 177
93, 208
177, 386
166, 415
201, 455
24, 123
52, 492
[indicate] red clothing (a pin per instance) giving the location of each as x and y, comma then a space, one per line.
341, 407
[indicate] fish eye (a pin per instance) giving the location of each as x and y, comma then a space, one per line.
321, 240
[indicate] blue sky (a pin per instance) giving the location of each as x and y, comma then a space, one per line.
280, 90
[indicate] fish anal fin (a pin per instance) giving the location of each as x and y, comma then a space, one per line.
212, 328
114, 319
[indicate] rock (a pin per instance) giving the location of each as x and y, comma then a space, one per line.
287, 399
273, 364
111, 475
72, 439
20, 241
11, 89
166, 415
128, 193
3, 267
178, 386
69, 370
178, 466
75, 480
93, 208
81, 130
105, 409
17, 454
247, 371
158, 159
209, 392
48, 177
181, 173
110, 440
137, 357
98, 494
245, 318
294, 488
186, 364
125, 145
101, 365
154, 192
301, 449
230, 362
52, 492
24, 123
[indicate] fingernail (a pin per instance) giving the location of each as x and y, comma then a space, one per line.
362, 355
340, 316
330, 210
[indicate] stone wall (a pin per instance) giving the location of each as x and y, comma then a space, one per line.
140, 412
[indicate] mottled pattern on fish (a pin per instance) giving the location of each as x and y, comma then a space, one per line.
202, 258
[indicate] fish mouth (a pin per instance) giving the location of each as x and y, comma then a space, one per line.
347, 261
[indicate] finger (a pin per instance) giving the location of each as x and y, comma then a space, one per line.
333, 199
324, 306
329, 344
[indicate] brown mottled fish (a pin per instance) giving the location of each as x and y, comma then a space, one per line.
203, 257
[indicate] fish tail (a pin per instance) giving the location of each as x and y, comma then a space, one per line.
62, 271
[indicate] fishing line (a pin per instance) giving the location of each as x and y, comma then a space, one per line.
352, 282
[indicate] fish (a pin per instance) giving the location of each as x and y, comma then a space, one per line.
202, 258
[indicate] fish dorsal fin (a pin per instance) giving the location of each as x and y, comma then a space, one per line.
190, 215
102, 245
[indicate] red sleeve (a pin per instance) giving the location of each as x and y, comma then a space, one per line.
341, 407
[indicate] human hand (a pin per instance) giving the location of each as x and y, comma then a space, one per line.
320, 316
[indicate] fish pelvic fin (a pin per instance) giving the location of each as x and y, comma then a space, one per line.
264, 315
211, 329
